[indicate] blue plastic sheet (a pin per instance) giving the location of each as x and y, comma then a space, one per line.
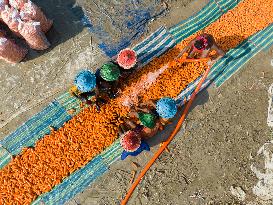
116, 24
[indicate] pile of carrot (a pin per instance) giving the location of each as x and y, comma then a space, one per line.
174, 80
241, 22
37, 170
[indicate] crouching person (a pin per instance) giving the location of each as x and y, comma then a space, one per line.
107, 80
143, 123
85, 89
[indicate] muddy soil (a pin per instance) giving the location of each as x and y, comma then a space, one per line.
211, 153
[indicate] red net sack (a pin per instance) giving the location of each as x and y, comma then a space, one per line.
30, 11
17, 4
10, 16
3, 4
31, 31
11, 52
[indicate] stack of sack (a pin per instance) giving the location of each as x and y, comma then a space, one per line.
27, 21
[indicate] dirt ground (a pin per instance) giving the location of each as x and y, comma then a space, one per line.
211, 153
226, 127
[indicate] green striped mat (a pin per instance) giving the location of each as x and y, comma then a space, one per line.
224, 68
99, 165
256, 43
210, 13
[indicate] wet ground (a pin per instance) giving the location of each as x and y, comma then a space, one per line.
212, 153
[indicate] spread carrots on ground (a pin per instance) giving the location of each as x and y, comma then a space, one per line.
37, 170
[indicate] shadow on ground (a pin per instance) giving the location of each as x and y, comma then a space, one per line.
229, 42
66, 25
162, 136
116, 24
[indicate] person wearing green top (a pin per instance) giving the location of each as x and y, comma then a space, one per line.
144, 119
151, 116
107, 79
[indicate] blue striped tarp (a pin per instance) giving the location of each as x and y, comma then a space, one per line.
117, 24
5, 156
210, 13
35, 128
260, 41
226, 5
155, 44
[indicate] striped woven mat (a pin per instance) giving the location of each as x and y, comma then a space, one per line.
56, 113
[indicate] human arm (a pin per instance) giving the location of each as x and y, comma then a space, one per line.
219, 51
220, 54
186, 49
130, 123
133, 114
149, 103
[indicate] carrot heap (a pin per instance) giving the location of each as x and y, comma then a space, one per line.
240, 23
174, 80
37, 170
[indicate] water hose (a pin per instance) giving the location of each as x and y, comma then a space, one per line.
174, 132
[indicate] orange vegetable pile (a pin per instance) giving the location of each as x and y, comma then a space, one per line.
174, 80
241, 22
37, 170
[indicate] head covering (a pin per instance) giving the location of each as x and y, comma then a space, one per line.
127, 58
85, 81
110, 72
147, 119
201, 43
166, 107
143, 146
130, 141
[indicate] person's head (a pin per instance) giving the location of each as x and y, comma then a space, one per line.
127, 58
166, 108
85, 81
202, 43
130, 141
147, 119
110, 72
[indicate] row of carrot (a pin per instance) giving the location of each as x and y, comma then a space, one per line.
37, 170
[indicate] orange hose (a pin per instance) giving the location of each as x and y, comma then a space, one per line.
166, 143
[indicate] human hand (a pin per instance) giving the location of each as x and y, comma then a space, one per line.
211, 62
182, 55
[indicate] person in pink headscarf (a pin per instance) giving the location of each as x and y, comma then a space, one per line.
201, 46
